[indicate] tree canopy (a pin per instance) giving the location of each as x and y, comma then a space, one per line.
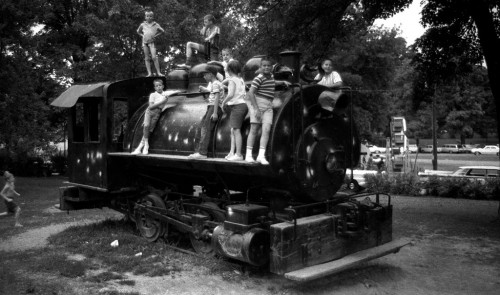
54, 43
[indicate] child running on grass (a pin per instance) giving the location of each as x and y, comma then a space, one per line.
8, 193
238, 109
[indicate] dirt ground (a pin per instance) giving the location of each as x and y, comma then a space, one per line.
455, 250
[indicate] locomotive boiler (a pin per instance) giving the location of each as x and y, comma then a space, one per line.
288, 215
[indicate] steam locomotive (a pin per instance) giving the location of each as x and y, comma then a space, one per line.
288, 216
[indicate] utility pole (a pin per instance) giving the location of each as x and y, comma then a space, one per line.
434, 139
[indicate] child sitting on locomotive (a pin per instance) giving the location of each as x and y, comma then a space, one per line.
8, 193
149, 30
260, 104
209, 120
235, 100
210, 33
327, 76
157, 103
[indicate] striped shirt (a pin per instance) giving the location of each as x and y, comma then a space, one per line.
264, 86
214, 88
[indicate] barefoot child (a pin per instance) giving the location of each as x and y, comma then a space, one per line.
8, 193
235, 99
260, 99
149, 30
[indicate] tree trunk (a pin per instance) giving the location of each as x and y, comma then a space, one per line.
490, 44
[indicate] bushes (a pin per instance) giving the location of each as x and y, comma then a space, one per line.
446, 187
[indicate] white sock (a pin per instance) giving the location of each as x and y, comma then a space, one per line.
249, 153
262, 153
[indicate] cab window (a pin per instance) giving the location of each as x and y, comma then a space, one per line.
86, 122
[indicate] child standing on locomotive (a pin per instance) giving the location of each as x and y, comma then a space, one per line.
210, 33
8, 193
157, 103
209, 120
327, 76
260, 104
235, 99
149, 30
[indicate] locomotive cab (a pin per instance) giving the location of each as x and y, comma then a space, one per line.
97, 123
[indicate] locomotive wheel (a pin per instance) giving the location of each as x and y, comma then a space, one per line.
150, 228
203, 244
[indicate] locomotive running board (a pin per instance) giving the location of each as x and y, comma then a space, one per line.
336, 266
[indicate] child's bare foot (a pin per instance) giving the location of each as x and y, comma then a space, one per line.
160, 75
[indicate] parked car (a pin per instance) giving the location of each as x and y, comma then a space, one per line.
479, 173
413, 148
428, 149
375, 149
451, 148
487, 150
467, 148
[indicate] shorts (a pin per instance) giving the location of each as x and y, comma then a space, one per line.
237, 115
11, 206
151, 118
266, 110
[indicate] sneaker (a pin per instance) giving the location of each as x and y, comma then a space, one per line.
228, 156
235, 158
136, 151
145, 150
262, 160
250, 160
197, 156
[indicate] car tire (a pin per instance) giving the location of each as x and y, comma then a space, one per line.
477, 153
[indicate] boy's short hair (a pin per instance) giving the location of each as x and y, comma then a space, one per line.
210, 69
209, 17
158, 81
148, 12
234, 66
265, 58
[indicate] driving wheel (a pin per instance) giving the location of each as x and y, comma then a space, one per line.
202, 242
150, 227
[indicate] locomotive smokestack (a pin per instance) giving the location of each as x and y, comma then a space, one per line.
291, 59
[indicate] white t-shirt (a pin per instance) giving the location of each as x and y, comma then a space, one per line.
329, 79
156, 97
239, 91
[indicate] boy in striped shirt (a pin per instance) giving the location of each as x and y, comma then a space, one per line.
260, 105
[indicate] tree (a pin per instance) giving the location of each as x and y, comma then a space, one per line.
474, 27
